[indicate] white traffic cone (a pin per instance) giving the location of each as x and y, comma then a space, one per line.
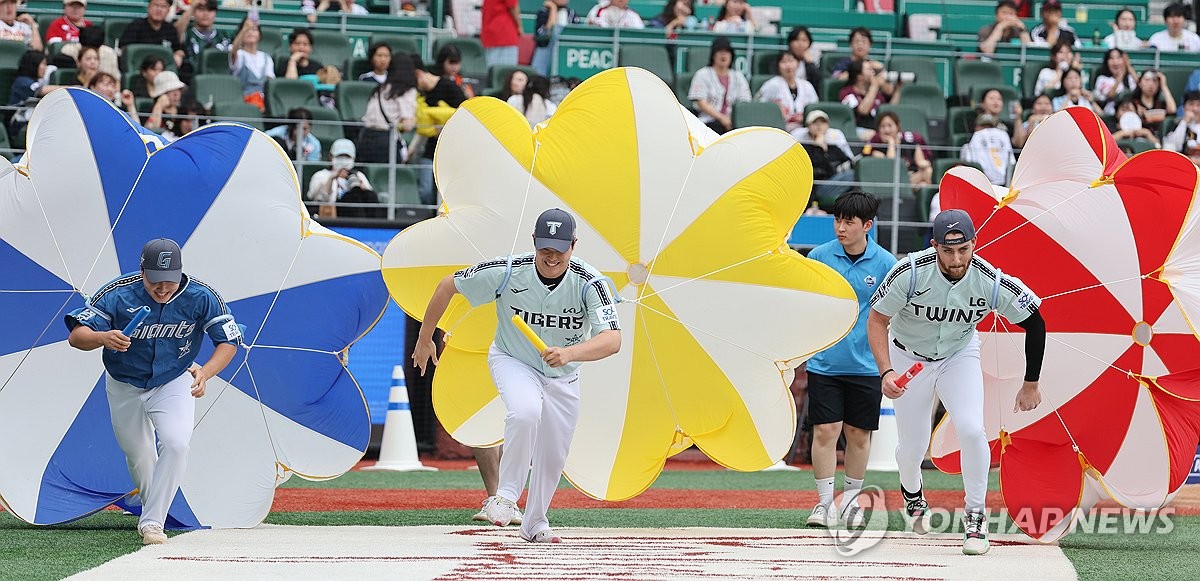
398, 452
884, 440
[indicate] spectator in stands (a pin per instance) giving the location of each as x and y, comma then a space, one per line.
1185, 138
1007, 27
191, 117
88, 67
860, 51
788, 90
551, 17
341, 6
93, 36
300, 46
1124, 34
151, 67
734, 18
437, 89
392, 106
530, 96
21, 28
31, 79
1129, 124
153, 29
1074, 95
992, 103
66, 27
614, 14
1176, 38
501, 32
1153, 100
989, 147
1115, 78
716, 87
830, 157
167, 95
380, 55
109, 87
892, 141
203, 35
676, 15
1049, 79
449, 65
342, 183
1053, 29
864, 92
251, 66
296, 138
800, 44
1041, 108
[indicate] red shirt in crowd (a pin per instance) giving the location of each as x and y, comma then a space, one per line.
64, 31
499, 28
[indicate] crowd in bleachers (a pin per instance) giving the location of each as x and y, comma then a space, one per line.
859, 116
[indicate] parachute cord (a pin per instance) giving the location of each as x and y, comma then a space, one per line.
274, 299
301, 349
667, 227
700, 277
1031, 220
53, 238
1090, 287
658, 368
455, 227
45, 329
525, 201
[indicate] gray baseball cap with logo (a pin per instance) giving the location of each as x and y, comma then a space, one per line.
555, 229
162, 261
953, 227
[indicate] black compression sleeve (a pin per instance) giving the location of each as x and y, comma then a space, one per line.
1035, 344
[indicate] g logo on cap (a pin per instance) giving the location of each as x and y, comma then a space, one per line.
164, 260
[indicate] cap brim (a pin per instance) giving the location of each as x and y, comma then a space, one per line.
157, 276
552, 243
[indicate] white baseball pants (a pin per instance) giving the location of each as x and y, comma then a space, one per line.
958, 381
137, 415
539, 425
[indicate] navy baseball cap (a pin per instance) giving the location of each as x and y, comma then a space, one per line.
162, 261
953, 227
555, 229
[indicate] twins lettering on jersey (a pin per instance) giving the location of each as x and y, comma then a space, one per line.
549, 321
180, 330
948, 315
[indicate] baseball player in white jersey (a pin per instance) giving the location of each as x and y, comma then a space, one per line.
152, 378
926, 311
571, 307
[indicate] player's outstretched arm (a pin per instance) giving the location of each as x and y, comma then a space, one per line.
425, 350
877, 330
606, 343
85, 338
221, 357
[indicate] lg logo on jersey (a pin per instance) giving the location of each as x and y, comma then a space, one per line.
181, 330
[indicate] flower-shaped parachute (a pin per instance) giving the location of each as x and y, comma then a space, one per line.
717, 310
1111, 245
92, 189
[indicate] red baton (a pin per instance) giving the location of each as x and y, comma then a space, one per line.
912, 372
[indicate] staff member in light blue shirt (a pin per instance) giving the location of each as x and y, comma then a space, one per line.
843, 385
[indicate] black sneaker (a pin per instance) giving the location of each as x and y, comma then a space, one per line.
975, 541
917, 511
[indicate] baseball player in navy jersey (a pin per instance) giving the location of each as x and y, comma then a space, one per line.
926, 311
569, 305
152, 378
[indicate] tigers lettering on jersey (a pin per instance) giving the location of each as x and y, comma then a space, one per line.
548, 321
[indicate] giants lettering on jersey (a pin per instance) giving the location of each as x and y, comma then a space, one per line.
549, 321
948, 315
180, 330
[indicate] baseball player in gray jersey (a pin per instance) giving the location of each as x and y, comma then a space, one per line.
571, 307
926, 311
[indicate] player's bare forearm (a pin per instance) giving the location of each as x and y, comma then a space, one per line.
437, 307
877, 330
220, 359
606, 343
85, 338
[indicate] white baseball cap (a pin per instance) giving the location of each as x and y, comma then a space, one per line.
342, 147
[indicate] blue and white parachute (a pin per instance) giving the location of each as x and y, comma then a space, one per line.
91, 189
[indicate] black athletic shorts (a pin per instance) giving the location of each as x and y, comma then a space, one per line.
853, 399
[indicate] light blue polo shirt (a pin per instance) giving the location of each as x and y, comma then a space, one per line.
852, 355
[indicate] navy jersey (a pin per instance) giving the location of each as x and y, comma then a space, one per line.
167, 342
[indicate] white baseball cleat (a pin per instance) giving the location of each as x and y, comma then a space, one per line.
481, 516
917, 511
823, 516
853, 517
152, 534
500, 511
975, 541
545, 536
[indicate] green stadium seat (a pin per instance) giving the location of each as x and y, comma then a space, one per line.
1138, 145
64, 77
682, 84
879, 177
757, 81
271, 41
209, 88
405, 191
243, 112
7, 76
330, 47
5, 146
286, 94
697, 58
653, 58
831, 89
113, 28
399, 43
326, 126
943, 165
473, 63
134, 54
830, 59
1029, 75
840, 117
497, 74
763, 62
351, 97
922, 66
214, 62
973, 73
960, 122
1177, 78
755, 113
929, 99
44, 21
10, 53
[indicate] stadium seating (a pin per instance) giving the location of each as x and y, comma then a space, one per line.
216, 88
243, 112
286, 94
214, 62
326, 126
10, 53
649, 57
751, 113
840, 116
351, 97
64, 77
473, 63
398, 44
405, 191
134, 54
972, 73
330, 48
